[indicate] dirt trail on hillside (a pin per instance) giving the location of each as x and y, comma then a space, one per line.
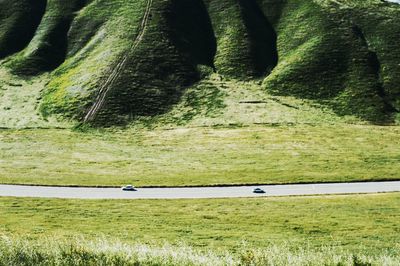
105, 87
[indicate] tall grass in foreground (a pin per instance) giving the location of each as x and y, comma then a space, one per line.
102, 252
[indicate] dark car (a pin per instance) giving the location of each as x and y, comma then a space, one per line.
129, 188
258, 191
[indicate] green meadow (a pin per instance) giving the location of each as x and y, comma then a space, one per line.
353, 222
200, 156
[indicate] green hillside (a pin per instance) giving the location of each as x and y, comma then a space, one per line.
113, 62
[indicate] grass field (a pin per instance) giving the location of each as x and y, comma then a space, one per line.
200, 156
351, 222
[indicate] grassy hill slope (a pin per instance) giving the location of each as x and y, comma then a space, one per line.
18, 22
111, 62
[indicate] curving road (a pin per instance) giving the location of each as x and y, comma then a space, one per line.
197, 192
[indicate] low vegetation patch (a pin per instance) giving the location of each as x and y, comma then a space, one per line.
101, 252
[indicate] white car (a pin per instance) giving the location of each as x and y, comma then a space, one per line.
129, 188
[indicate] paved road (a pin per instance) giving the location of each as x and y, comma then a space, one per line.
197, 193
